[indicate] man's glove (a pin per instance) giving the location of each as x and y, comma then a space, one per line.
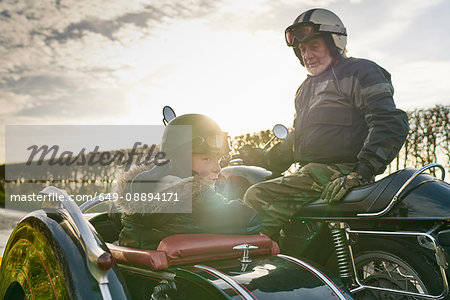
252, 156
336, 189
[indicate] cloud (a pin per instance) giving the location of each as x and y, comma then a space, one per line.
58, 58
42, 99
422, 83
80, 105
107, 28
12, 103
34, 30
260, 15
121, 61
38, 85
375, 26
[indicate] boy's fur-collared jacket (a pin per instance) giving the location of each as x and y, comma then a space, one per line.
145, 223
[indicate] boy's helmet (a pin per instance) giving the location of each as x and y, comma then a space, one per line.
207, 136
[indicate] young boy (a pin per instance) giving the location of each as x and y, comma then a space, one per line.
146, 223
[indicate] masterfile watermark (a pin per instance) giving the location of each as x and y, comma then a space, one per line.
104, 158
92, 162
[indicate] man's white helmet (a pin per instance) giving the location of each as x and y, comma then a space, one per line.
314, 22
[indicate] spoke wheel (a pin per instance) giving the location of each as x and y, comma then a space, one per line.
386, 270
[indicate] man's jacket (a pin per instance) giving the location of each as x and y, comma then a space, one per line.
347, 114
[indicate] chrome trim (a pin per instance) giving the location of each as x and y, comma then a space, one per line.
228, 280
96, 200
88, 241
106, 294
423, 242
434, 228
396, 196
89, 204
437, 250
245, 249
312, 269
236, 162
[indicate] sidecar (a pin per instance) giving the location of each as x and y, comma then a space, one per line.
69, 252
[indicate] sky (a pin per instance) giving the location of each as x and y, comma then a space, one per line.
119, 62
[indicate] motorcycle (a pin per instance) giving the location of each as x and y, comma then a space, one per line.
386, 240
66, 251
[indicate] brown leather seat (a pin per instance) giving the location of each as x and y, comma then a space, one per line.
192, 248
153, 259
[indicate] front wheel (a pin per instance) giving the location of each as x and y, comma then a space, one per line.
388, 264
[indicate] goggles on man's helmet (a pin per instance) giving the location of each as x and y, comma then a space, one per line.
302, 32
217, 143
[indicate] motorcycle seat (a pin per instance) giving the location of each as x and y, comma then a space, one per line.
370, 198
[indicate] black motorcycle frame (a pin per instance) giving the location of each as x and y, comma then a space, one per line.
403, 206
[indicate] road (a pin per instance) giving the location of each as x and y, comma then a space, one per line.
8, 220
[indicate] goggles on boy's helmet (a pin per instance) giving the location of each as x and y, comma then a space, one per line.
215, 142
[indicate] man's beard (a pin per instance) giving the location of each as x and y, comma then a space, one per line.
316, 70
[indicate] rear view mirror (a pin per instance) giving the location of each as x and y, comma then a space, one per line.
280, 131
169, 114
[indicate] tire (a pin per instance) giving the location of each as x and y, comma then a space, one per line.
44, 261
31, 266
386, 263
15, 292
